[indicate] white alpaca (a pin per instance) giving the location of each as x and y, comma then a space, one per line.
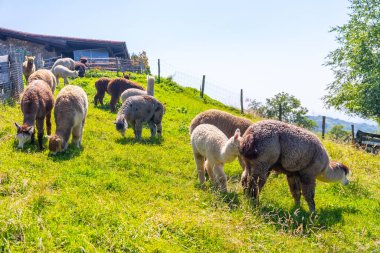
136, 92
62, 71
210, 143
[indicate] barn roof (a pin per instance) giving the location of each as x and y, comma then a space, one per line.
68, 44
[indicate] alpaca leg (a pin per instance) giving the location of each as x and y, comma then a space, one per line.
40, 129
199, 161
66, 81
57, 78
159, 129
76, 132
153, 129
48, 123
258, 179
220, 177
295, 188
138, 129
96, 99
210, 170
308, 191
246, 175
113, 102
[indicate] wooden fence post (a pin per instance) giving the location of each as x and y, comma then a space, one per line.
203, 85
353, 134
241, 102
159, 71
323, 126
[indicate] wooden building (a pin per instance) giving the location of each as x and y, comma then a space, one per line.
48, 46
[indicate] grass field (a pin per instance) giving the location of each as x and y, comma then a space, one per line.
119, 195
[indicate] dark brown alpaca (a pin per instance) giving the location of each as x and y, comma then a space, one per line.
117, 86
274, 145
36, 104
81, 68
101, 88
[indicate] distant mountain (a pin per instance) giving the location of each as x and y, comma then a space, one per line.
330, 122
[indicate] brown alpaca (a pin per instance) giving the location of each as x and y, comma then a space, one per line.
101, 88
81, 68
36, 104
28, 67
292, 150
117, 86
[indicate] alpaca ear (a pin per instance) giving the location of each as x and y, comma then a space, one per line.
30, 129
17, 126
237, 134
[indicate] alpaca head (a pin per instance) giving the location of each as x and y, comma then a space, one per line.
24, 134
343, 171
121, 125
232, 145
56, 144
30, 59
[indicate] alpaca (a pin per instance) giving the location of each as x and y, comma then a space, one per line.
101, 88
225, 121
289, 149
28, 66
83, 60
137, 92
67, 62
36, 105
70, 112
62, 71
81, 68
117, 86
137, 110
210, 143
45, 75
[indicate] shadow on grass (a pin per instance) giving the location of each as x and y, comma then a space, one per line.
71, 152
231, 198
130, 140
298, 221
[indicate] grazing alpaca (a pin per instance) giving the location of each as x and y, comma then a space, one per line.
45, 75
226, 122
298, 153
117, 86
210, 143
81, 68
28, 67
67, 62
70, 113
137, 110
137, 92
101, 88
62, 71
36, 104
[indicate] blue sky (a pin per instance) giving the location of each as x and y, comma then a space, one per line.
264, 47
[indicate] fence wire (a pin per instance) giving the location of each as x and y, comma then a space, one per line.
217, 92
11, 82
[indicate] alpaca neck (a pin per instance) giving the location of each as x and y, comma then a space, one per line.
331, 175
228, 153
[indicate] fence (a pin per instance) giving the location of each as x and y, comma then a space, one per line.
110, 64
11, 82
228, 97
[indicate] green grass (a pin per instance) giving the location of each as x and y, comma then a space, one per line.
119, 195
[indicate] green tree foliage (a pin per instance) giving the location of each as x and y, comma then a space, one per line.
141, 59
283, 107
338, 134
356, 62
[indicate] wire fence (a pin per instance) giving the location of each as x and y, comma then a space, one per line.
11, 82
215, 91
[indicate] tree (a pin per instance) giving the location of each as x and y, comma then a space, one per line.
337, 133
140, 59
286, 108
356, 62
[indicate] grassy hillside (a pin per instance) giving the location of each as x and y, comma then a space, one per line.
119, 195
